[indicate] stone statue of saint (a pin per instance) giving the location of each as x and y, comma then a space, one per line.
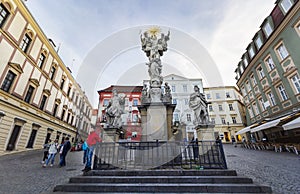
154, 71
167, 89
115, 109
198, 104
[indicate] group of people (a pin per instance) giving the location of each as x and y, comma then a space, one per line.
52, 148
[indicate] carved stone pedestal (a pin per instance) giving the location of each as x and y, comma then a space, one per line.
110, 134
205, 132
156, 121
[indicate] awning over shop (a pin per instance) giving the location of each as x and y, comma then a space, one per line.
292, 124
244, 130
268, 125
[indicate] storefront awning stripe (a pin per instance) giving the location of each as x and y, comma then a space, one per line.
244, 130
292, 124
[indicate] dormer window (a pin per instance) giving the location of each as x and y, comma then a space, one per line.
268, 29
245, 62
258, 42
251, 52
286, 5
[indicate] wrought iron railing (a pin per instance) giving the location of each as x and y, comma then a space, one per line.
159, 155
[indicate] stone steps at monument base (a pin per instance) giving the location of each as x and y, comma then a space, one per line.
161, 181
162, 188
215, 172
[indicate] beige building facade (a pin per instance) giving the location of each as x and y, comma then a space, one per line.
226, 110
39, 98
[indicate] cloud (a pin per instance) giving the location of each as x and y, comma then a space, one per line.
235, 32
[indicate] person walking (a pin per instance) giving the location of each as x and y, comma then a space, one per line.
46, 150
85, 149
64, 151
52, 153
92, 141
233, 141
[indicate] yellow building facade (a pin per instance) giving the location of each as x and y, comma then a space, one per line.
39, 98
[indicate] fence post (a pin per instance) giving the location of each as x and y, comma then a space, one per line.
219, 142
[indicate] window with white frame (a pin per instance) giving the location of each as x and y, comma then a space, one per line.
174, 101
210, 108
262, 104
253, 80
230, 107
258, 42
173, 88
223, 120
271, 99
135, 102
29, 94
176, 117
251, 52
208, 96
296, 83
248, 86
286, 5
268, 29
52, 72
105, 102
213, 120
255, 108
8, 81
261, 72
220, 107
3, 14
282, 52
228, 95
188, 117
233, 120
282, 92
270, 63
218, 96
25, 43
184, 87
41, 60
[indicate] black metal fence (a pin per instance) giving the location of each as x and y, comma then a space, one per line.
160, 155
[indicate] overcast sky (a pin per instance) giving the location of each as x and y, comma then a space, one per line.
220, 29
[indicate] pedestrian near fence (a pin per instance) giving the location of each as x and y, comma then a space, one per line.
46, 150
92, 140
52, 153
64, 151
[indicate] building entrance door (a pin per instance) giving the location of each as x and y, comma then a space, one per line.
13, 138
227, 138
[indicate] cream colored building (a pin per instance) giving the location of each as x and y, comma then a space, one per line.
226, 110
181, 89
39, 98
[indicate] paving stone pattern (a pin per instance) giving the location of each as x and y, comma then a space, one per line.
22, 173
281, 171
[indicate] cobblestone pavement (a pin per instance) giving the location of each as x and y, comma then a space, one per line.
281, 171
22, 173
